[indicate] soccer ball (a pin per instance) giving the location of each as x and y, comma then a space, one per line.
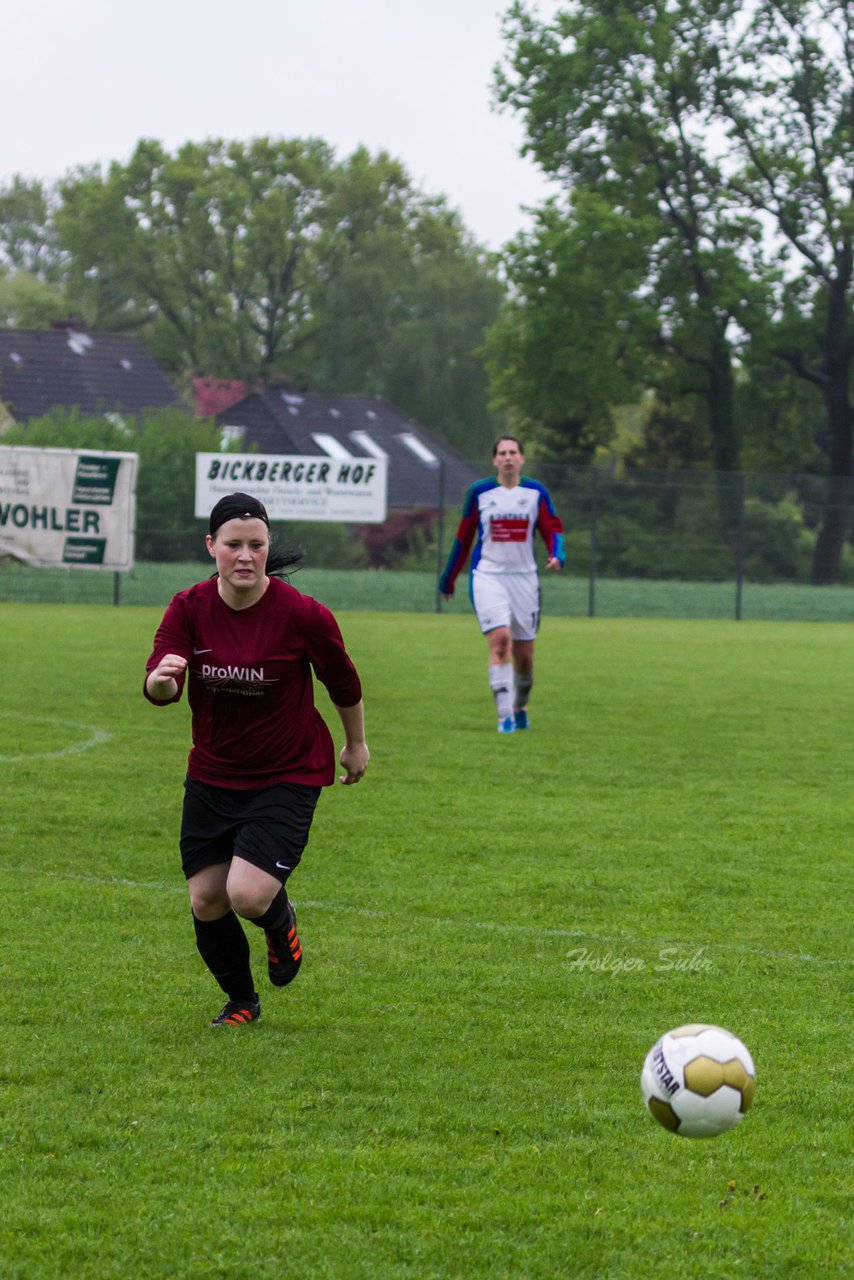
698, 1080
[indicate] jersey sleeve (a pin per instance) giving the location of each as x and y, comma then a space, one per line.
329, 658
465, 536
551, 528
172, 636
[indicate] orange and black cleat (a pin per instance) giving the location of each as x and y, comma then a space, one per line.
237, 1013
284, 953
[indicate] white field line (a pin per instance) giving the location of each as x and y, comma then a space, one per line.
446, 922
94, 737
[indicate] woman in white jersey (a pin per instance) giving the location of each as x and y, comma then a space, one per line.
503, 513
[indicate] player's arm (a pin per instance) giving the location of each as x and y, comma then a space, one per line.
334, 668
551, 531
166, 668
465, 535
354, 755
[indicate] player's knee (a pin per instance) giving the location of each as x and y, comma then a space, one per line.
500, 646
208, 904
248, 902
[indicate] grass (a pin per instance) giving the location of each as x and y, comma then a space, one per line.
496, 930
408, 591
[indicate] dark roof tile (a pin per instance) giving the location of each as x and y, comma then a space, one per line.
45, 369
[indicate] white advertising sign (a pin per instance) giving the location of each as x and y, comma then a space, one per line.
351, 490
70, 507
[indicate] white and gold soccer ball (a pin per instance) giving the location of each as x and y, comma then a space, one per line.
698, 1080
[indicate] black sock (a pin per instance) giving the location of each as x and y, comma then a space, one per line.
224, 948
276, 914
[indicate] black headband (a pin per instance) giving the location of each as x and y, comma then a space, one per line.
237, 506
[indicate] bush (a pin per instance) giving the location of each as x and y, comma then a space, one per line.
326, 545
778, 545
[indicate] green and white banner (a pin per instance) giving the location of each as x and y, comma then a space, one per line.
308, 487
69, 507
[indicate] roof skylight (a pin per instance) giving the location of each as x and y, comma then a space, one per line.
416, 446
330, 445
368, 443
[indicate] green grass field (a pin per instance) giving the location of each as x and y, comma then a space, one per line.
496, 930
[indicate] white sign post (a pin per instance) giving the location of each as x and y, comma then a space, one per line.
69, 507
350, 490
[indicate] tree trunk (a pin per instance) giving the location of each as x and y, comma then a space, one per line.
834, 530
836, 519
726, 449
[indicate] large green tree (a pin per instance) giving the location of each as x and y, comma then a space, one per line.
613, 96
731, 127
567, 348
784, 88
244, 260
401, 301
211, 249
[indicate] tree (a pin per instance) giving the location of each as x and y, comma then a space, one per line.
211, 249
785, 92
614, 96
27, 238
244, 260
567, 347
403, 299
732, 125
28, 302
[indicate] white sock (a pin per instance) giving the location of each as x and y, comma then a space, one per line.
501, 684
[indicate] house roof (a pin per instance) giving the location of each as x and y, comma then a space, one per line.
42, 369
289, 421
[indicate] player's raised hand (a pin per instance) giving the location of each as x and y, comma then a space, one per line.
162, 681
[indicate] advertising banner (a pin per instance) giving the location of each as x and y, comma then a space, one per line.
311, 487
71, 507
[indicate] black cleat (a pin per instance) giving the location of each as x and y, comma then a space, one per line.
284, 953
237, 1012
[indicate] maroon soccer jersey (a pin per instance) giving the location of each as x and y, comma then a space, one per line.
250, 684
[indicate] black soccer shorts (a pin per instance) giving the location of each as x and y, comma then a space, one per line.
268, 827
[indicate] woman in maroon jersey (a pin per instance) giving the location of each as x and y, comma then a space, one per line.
246, 643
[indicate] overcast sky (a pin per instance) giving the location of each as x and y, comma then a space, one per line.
83, 80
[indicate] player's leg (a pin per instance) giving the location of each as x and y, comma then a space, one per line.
206, 847
223, 945
523, 680
277, 918
492, 607
501, 675
524, 592
268, 848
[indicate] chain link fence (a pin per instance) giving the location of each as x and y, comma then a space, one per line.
640, 543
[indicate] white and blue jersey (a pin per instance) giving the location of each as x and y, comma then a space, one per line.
503, 521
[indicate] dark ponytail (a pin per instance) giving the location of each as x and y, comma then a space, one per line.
278, 560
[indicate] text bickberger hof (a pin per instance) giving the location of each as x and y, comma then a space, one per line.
338, 488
